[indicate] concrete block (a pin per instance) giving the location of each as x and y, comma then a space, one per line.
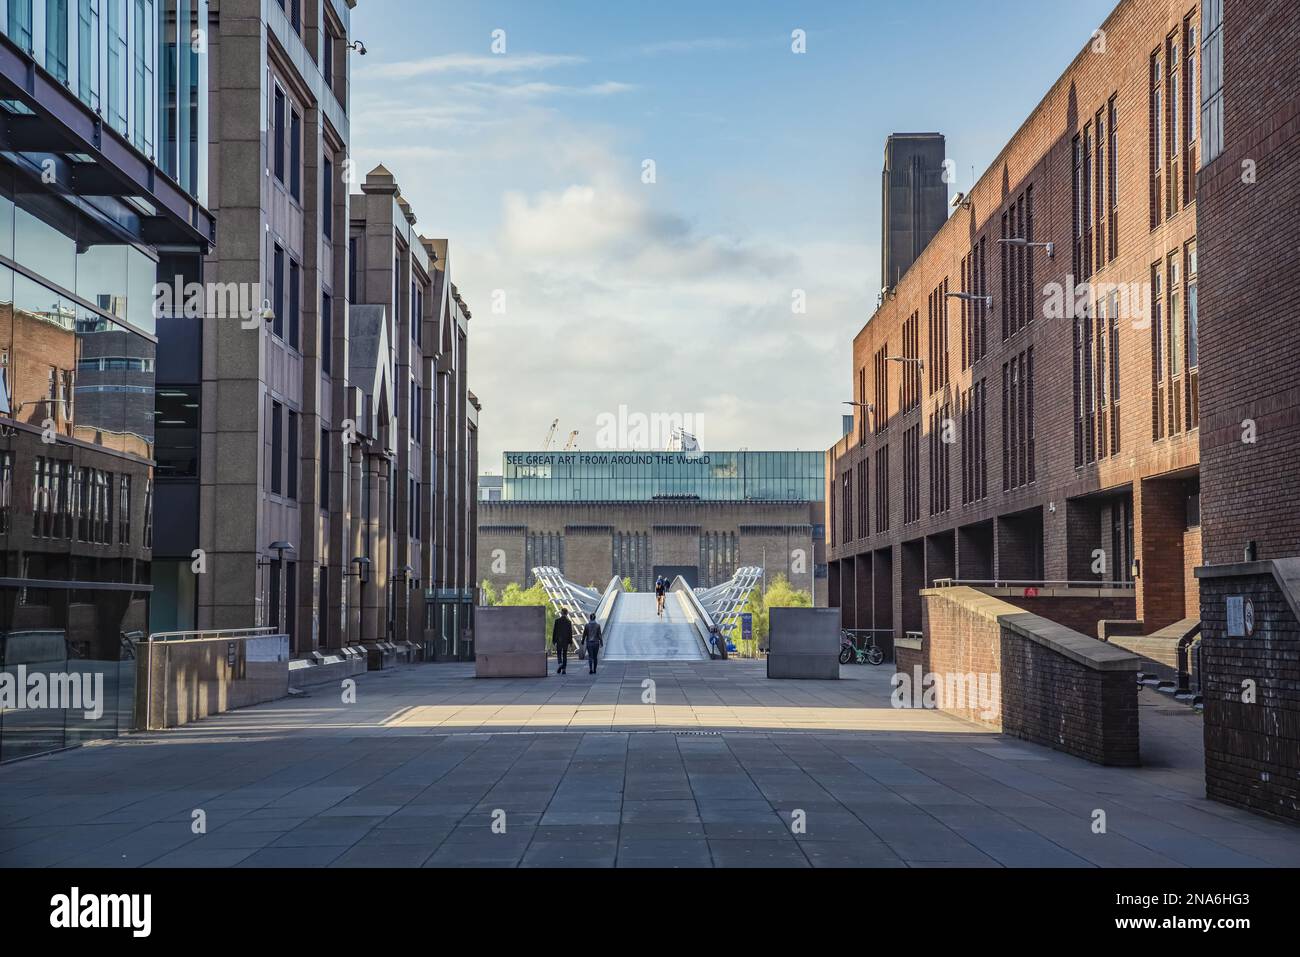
510, 642
804, 643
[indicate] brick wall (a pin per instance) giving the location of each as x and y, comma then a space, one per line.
1079, 614
1252, 748
1059, 688
1040, 154
1249, 301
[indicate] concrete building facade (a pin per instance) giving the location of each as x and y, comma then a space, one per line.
315, 476
1027, 395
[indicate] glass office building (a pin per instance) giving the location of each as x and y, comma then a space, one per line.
650, 476
96, 206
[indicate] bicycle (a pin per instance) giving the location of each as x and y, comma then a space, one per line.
850, 652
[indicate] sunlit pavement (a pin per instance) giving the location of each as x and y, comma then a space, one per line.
712, 765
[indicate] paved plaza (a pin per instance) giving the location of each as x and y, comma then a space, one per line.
433, 767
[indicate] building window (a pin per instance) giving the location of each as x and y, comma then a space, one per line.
56, 37
19, 27
324, 502
1112, 169
1018, 427
938, 315
277, 449
277, 291
1018, 294
327, 58
294, 453
846, 505
327, 200
864, 499
124, 509
1211, 80
1157, 352
352, 269
295, 303
941, 438
277, 140
882, 489
1173, 132
1157, 121
326, 333
1114, 373
912, 475
295, 155
881, 363
974, 466
911, 353
1193, 343
1191, 109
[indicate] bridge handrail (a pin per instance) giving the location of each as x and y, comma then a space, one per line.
699, 615
1030, 583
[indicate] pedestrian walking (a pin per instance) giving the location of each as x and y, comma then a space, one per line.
591, 637
562, 636
661, 589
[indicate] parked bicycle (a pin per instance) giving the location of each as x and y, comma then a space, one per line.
869, 654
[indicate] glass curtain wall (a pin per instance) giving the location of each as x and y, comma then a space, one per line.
141, 63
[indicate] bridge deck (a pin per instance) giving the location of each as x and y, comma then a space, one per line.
636, 633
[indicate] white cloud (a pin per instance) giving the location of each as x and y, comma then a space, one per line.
482, 65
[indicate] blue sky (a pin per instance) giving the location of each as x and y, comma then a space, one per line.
674, 297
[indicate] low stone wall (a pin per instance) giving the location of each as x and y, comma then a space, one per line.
510, 641
803, 643
182, 681
1251, 687
908, 655
1051, 685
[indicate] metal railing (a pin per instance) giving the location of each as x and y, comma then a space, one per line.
214, 634
1029, 583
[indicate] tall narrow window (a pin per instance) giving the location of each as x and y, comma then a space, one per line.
327, 200
295, 155
294, 453
327, 334
277, 138
56, 39
277, 448
1193, 343
295, 307
325, 457
277, 291
1157, 353
1211, 80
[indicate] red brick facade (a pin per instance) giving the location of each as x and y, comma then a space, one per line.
1085, 466
1250, 436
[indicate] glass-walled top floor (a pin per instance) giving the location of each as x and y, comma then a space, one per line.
646, 476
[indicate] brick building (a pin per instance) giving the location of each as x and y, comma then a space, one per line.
638, 515
1027, 393
1249, 192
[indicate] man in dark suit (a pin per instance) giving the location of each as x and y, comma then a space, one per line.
562, 636
592, 638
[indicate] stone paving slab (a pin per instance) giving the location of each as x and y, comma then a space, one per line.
583, 772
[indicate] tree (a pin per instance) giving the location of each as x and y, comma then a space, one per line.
490, 594
780, 594
627, 583
516, 595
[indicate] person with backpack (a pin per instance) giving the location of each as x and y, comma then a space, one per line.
661, 589
591, 637
562, 636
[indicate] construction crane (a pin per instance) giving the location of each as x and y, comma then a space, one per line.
570, 445
550, 436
